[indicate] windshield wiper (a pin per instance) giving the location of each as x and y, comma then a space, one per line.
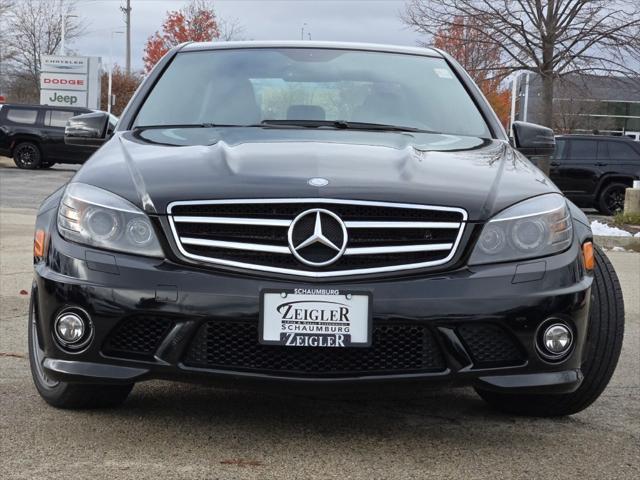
344, 125
186, 125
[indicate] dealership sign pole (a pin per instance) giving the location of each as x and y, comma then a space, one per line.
70, 81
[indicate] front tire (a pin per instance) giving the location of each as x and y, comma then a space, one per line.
601, 353
64, 394
27, 155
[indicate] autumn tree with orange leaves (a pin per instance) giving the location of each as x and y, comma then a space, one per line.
123, 87
196, 22
480, 57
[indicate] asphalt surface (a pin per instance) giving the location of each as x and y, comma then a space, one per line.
172, 430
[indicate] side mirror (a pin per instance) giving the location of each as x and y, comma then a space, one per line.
533, 140
87, 130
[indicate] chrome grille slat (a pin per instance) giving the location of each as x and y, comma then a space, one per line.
255, 247
398, 249
374, 224
266, 222
378, 243
259, 247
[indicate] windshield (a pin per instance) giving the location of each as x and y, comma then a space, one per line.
311, 88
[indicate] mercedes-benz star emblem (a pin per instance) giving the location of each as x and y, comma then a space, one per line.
317, 237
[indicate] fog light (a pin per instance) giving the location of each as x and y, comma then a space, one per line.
556, 341
72, 330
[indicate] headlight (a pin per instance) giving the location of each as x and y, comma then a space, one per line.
534, 228
95, 217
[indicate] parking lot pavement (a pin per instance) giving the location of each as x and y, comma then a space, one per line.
171, 430
27, 188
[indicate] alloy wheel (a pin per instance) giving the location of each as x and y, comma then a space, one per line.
27, 155
615, 200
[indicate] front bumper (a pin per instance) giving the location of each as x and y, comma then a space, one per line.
514, 299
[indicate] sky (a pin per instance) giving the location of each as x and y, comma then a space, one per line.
375, 21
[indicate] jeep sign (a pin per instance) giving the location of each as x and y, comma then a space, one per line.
70, 81
63, 98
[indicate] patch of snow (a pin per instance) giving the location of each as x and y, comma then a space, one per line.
637, 235
618, 249
604, 230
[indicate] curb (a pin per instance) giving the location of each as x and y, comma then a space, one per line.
628, 243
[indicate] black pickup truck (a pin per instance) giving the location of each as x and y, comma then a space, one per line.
594, 171
33, 135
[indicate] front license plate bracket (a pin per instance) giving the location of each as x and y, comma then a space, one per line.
315, 317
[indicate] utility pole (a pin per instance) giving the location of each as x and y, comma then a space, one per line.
525, 109
110, 78
127, 20
63, 22
63, 32
62, 35
514, 93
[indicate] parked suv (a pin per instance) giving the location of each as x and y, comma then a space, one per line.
594, 171
318, 215
34, 135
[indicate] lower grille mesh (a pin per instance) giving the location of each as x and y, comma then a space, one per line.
233, 345
490, 345
138, 336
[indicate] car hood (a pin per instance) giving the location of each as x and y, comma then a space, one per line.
155, 167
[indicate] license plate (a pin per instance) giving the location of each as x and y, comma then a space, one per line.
315, 317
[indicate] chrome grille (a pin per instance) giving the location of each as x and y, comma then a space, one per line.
253, 234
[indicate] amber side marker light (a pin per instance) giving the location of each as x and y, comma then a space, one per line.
587, 256
38, 243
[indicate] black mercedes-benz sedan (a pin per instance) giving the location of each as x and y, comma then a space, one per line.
318, 216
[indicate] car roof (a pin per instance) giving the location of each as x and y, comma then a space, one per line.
48, 107
371, 47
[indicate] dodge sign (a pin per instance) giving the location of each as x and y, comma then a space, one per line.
63, 81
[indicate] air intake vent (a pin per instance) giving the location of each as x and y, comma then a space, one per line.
490, 345
137, 336
395, 348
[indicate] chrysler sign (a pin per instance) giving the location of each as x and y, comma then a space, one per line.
60, 64
70, 81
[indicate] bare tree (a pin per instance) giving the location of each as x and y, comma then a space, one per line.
5, 6
5, 10
230, 29
552, 38
5, 53
35, 28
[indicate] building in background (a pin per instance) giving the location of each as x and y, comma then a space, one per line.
583, 104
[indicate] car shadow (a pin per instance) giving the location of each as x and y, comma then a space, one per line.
206, 408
